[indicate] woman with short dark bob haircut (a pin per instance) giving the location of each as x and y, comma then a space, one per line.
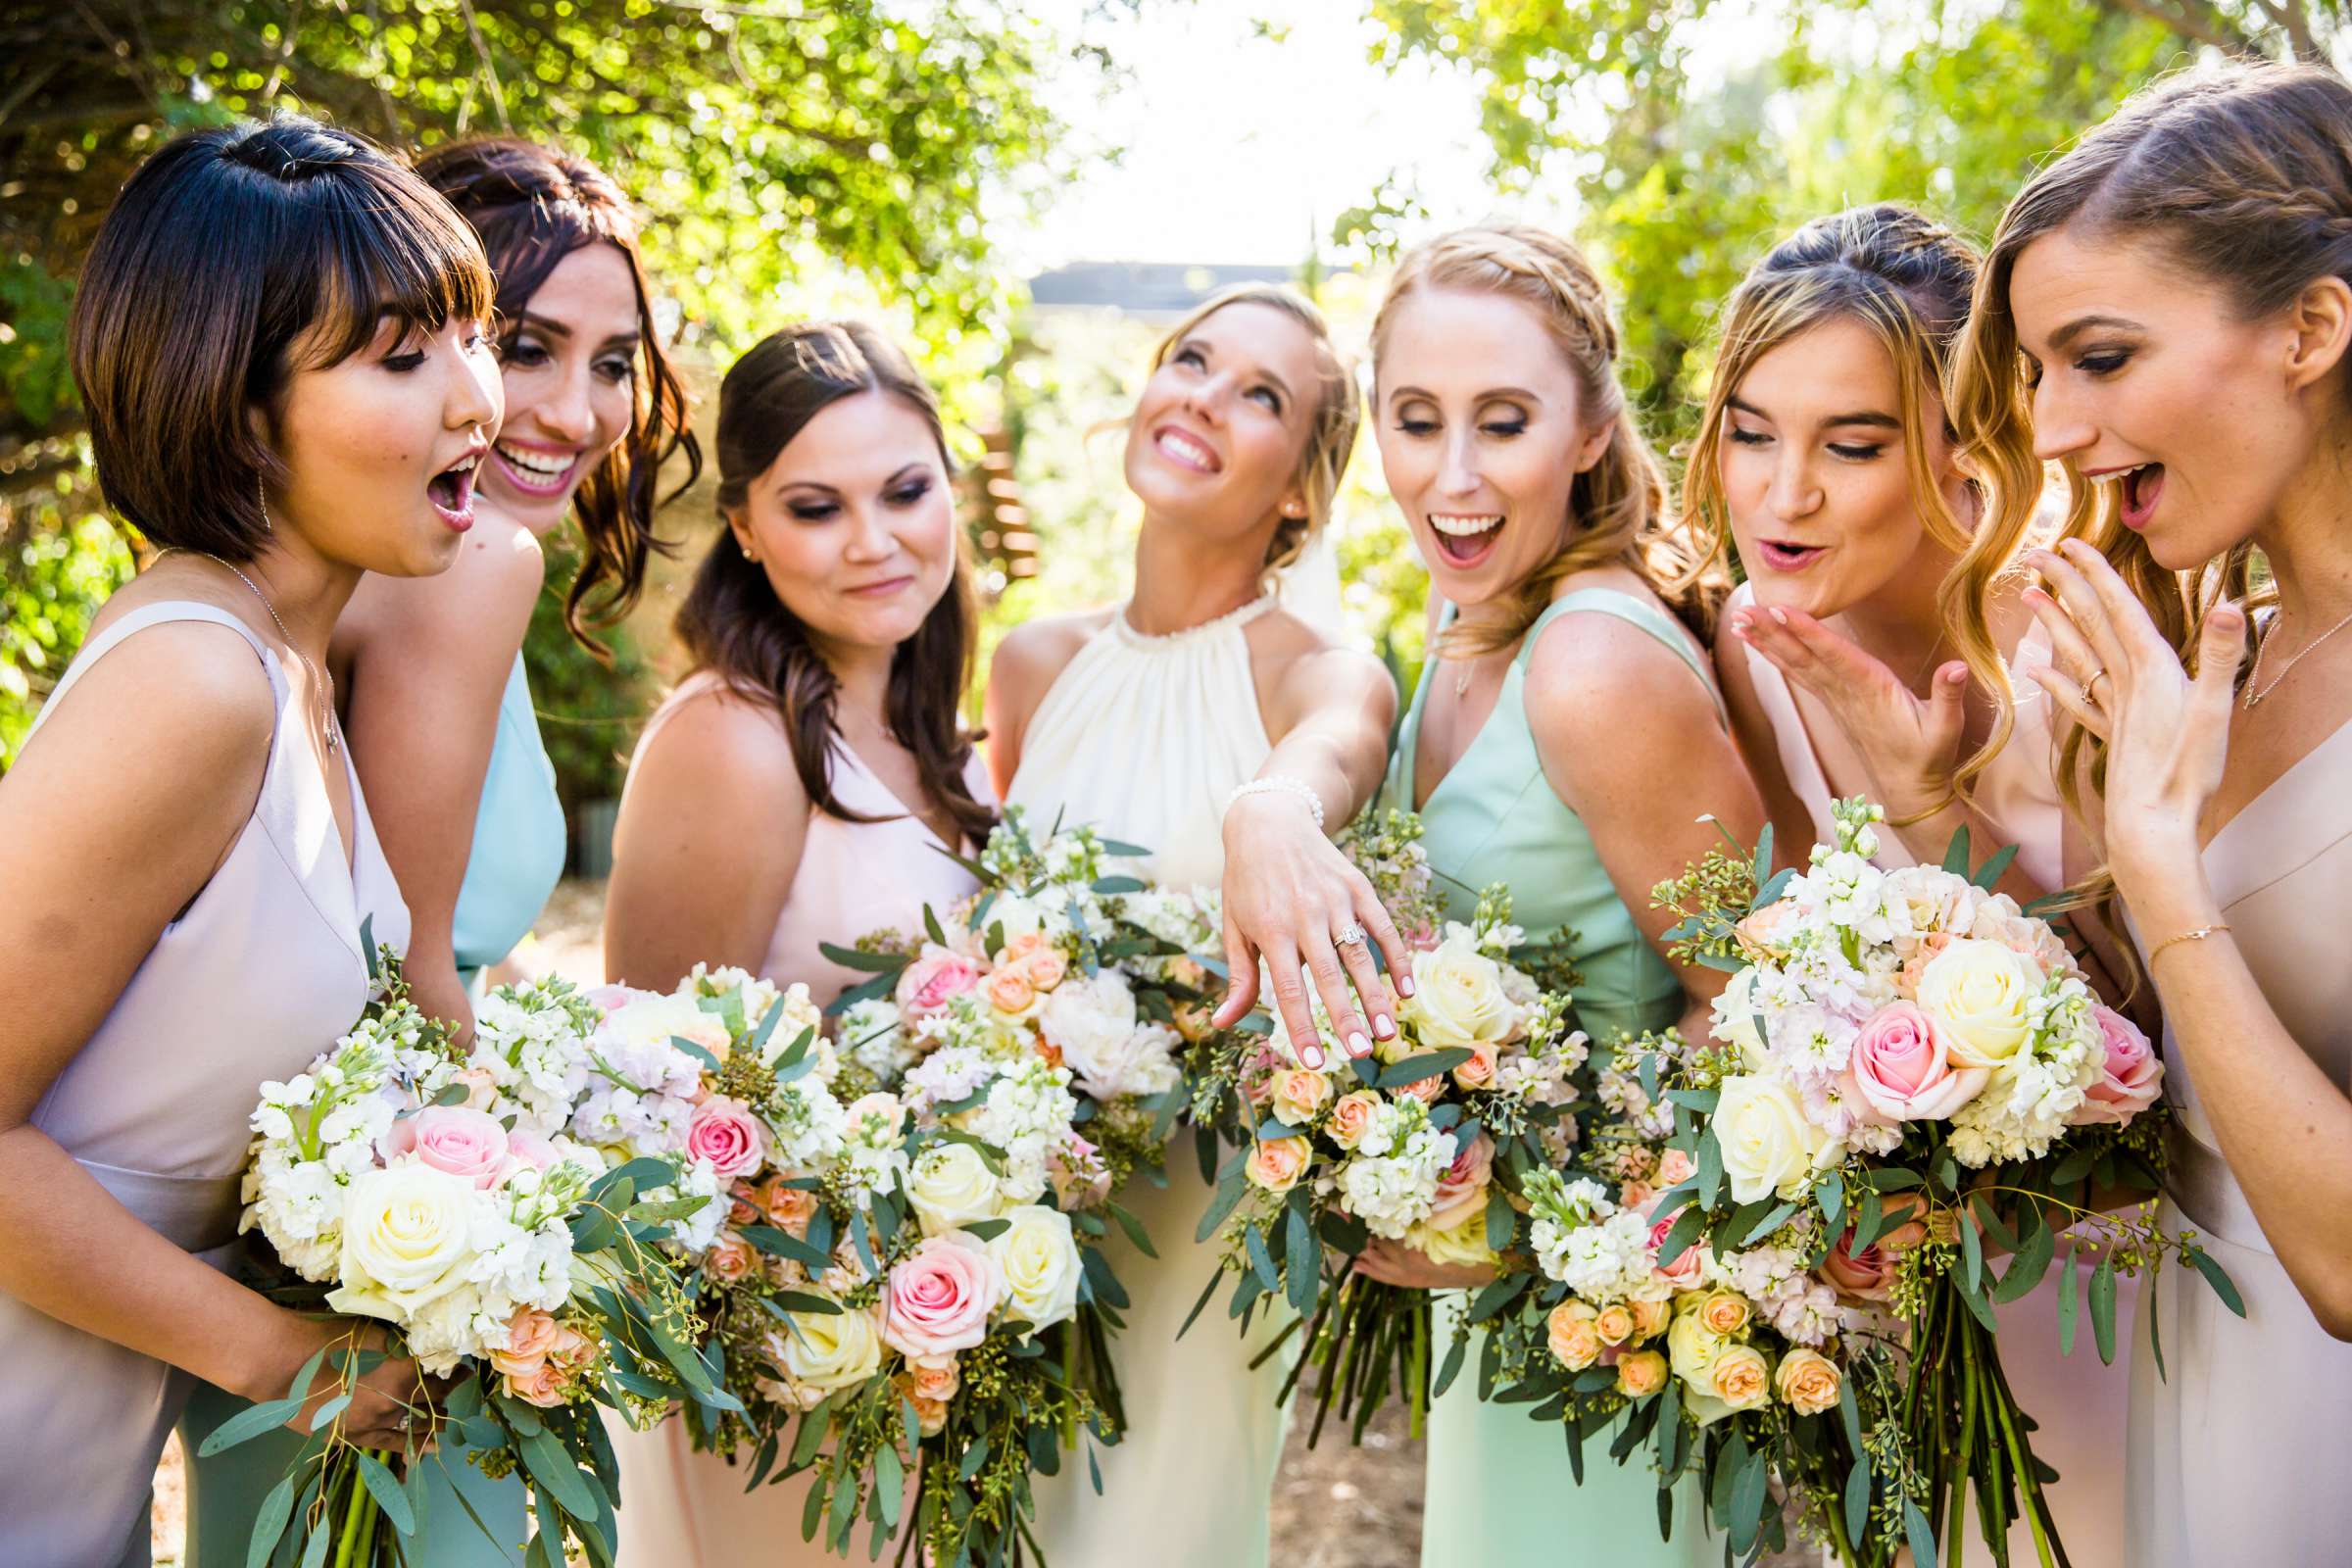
278, 338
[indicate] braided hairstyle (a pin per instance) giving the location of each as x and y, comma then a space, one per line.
1617, 508
1907, 280
2242, 177
534, 206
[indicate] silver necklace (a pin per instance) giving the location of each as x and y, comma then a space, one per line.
2255, 689
322, 684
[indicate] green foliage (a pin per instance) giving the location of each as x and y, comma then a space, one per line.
56, 575
588, 711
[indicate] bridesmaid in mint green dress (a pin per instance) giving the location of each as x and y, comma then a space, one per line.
438, 708
1565, 738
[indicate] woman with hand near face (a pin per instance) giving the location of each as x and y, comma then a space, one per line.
1824, 456
801, 784
1563, 691
434, 699
1206, 722
279, 339
2166, 309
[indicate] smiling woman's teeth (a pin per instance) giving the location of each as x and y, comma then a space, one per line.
452, 489
535, 463
1463, 536
1185, 449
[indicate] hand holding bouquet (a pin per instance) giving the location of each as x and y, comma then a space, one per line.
445, 1195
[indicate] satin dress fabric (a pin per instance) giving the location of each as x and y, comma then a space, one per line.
262, 970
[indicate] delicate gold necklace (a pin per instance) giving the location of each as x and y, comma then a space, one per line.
320, 683
2255, 689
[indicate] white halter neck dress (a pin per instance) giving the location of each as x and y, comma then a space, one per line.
1144, 738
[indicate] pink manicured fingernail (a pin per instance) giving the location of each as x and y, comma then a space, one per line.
1312, 1055
1404, 985
1358, 1045
1383, 1025
1780, 617
1739, 621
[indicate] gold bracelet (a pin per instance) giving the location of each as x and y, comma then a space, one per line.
2198, 935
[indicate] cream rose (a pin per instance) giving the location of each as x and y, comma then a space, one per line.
1458, 999
1298, 1094
822, 1353
1724, 1312
1693, 1351
1040, 1259
1652, 1314
1978, 992
407, 1235
1769, 1146
951, 1186
1807, 1382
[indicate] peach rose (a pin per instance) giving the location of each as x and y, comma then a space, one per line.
1571, 1334
1011, 991
730, 1260
1640, 1374
544, 1386
571, 1348
1675, 1166
1022, 946
938, 1383
1351, 1119
1047, 968
1636, 1195
530, 1334
2132, 1078
1462, 1187
930, 1416
1807, 1382
1428, 1090
1724, 1312
1650, 1317
1906, 983
1741, 1375
788, 1208
1765, 933
481, 1088
1277, 1163
1298, 1094
1479, 1071
1615, 1323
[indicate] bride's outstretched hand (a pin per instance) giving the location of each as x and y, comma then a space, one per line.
1395, 1264
2167, 733
1293, 898
1907, 744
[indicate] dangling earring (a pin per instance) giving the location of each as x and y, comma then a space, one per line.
261, 495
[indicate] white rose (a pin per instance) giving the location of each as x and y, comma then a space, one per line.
1040, 1259
408, 1238
1768, 1143
1093, 1023
1736, 1019
826, 1351
951, 1186
1458, 997
1979, 994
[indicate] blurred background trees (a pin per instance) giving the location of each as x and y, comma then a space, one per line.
888, 157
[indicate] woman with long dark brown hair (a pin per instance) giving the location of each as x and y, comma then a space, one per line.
798, 785
430, 673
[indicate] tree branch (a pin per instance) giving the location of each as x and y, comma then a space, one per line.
2207, 30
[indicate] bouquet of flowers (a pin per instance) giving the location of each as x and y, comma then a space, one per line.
908, 1288
1425, 1143
446, 1193
1907, 1076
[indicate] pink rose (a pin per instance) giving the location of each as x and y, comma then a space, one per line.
938, 1299
530, 1334
1903, 1070
2132, 1079
610, 999
1687, 1270
526, 1149
1080, 1176
1462, 1189
725, 1133
933, 980
451, 1137
1866, 1274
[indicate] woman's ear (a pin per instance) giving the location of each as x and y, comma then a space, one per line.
1595, 443
739, 526
2322, 319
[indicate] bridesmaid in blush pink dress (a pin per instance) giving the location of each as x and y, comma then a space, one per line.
1809, 460
2181, 284
189, 878
804, 783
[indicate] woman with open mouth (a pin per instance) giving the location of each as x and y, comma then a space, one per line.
1206, 723
2167, 310
435, 700
280, 340
1566, 739
1824, 457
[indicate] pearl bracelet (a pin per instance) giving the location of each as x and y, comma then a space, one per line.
1280, 783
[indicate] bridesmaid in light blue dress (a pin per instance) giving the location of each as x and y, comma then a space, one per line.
1565, 738
438, 702
192, 873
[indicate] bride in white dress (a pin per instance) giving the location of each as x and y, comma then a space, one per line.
1149, 721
